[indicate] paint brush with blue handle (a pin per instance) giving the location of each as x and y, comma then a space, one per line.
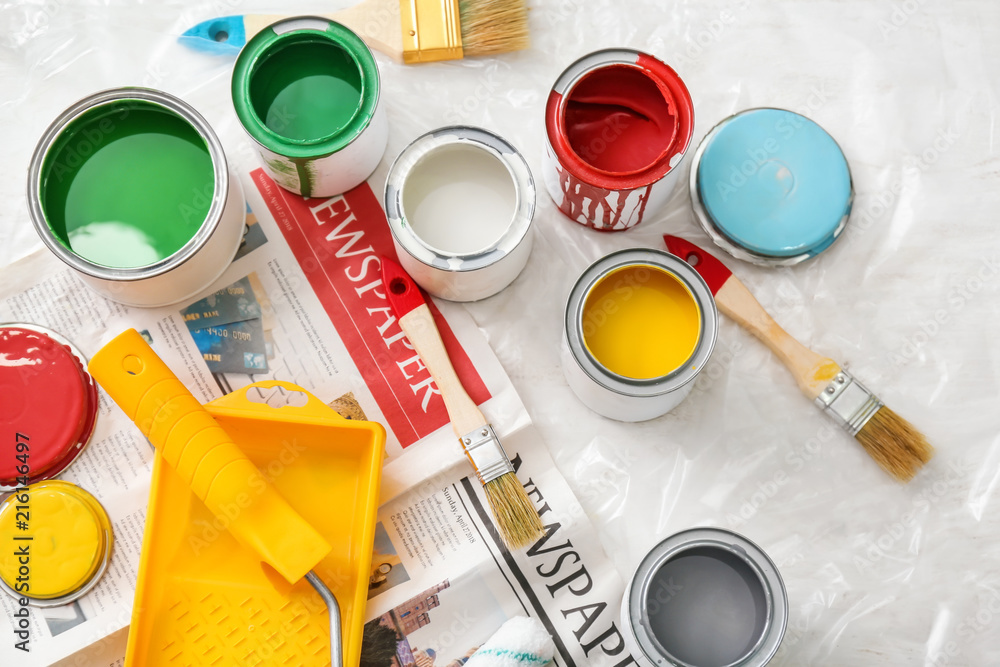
408, 31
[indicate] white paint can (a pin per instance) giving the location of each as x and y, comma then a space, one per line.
459, 201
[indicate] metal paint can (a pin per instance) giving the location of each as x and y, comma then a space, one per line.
131, 188
618, 123
640, 325
771, 187
460, 201
307, 90
705, 597
71, 547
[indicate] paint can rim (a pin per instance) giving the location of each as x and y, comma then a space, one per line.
732, 245
658, 71
268, 42
634, 387
124, 95
636, 594
480, 138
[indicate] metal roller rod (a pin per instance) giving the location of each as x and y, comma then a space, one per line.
336, 647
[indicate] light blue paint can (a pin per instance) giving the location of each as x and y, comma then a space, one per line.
771, 187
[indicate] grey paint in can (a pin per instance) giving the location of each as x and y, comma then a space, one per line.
705, 597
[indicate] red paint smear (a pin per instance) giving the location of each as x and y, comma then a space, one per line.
619, 121
347, 309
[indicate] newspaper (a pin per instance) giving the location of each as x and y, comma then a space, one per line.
302, 302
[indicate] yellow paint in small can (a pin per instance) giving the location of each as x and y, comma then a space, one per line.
641, 322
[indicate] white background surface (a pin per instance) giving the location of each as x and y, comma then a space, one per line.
878, 573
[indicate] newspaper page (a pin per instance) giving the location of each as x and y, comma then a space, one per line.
302, 302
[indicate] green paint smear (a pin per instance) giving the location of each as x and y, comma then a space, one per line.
127, 185
307, 90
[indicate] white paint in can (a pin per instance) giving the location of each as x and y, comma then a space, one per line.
460, 199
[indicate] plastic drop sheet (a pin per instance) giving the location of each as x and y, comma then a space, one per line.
877, 572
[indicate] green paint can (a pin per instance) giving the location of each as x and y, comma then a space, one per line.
307, 92
131, 188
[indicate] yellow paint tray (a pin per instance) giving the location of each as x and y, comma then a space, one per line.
203, 600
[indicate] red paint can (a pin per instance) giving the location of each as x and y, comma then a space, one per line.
618, 124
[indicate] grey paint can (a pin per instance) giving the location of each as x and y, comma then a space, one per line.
704, 597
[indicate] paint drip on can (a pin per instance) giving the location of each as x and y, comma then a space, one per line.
131, 188
704, 597
640, 326
771, 187
618, 123
306, 90
459, 201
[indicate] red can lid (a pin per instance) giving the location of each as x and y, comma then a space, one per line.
49, 404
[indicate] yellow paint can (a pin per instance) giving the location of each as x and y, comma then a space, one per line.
640, 325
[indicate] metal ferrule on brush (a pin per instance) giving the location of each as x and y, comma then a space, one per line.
850, 404
487, 456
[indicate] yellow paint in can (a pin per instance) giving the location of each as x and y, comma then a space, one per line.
641, 322
70, 539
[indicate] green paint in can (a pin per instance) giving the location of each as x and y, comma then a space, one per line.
306, 90
130, 187
127, 184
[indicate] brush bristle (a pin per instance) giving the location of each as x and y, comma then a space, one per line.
895, 444
490, 27
513, 512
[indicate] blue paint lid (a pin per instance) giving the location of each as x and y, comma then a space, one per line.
771, 186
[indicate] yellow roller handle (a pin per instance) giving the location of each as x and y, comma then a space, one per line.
195, 446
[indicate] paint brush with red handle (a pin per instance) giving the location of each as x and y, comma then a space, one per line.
513, 513
899, 448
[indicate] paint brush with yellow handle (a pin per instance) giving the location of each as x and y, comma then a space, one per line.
513, 513
408, 31
205, 457
899, 448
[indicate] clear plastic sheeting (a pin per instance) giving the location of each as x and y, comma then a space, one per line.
878, 573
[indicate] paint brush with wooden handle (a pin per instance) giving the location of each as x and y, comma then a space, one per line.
512, 510
192, 443
408, 31
893, 442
